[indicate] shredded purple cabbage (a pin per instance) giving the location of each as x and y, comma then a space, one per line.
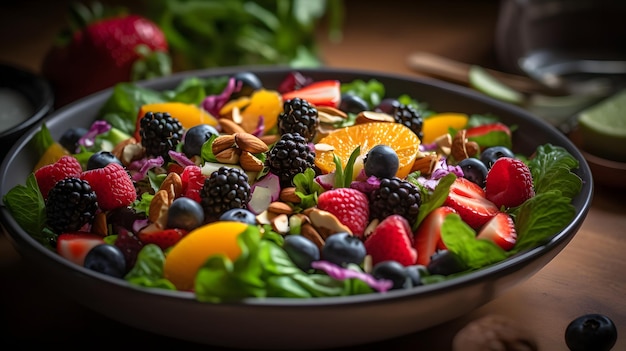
144, 165
181, 158
98, 127
213, 103
139, 224
366, 186
260, 127
340, 273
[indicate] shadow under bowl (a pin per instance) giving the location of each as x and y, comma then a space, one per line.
315, 323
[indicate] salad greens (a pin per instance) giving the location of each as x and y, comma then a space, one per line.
264, 269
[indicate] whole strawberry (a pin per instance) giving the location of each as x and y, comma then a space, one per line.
350, 206
113, 186
509, 182
99, 52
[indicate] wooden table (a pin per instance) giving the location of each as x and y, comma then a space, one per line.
586, 277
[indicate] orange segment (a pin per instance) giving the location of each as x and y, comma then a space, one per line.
189, 254
439, 124
53, 153
188, 115
266, 103
367, 135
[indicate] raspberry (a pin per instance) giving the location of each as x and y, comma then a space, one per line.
350, 206
193, 180
112, 185
509, 182
48, 175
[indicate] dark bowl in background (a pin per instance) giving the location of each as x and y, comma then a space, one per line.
36, 91
279, 323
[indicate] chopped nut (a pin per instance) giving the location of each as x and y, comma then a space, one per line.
444, 143
371, 116
158, 206
228, 156
230, 127
426, 164
326, 223
250, 143
331, 111
321, 147
249, 162
288, 194
222, 143
132, 152
494, 332
280, 223
278, 207
118, 150
370, 228
308, 231
173, 184
462, 148
99, 225
329, 118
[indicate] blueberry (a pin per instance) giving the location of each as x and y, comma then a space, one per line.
381, 161
394, 271
239, 215
106, 259
474, 170
415, 273
444, 262
593, 331
102, 158
301, 250
491, 154
351, 103
387, 105
69, 139
195, 137
249, 81
343, 248
185, 213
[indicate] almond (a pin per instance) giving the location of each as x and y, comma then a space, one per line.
333, 111
249, 162
230, 127
173, 184
309, 232
99, 225
288, 194
425, 164
158, 206
278, 207
228, 156
371, 116
250, 143
222, 143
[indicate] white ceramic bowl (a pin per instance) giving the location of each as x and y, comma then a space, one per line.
277, 323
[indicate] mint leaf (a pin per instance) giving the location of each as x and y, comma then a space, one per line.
551, 170
540, 217
27, 205
435, 199
460, 239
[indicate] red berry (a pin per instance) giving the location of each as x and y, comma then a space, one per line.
392, 240
468, 199
75, 246
427, 238
163, 238
193, 181
509, 182
350, 206
48, 175
113, 186
501, 230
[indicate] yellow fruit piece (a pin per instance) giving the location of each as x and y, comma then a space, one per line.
189, 254
437, 125
53, 153
188, 115
266, 103
367, 135
239, 103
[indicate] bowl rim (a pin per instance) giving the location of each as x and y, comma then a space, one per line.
19, 237
45, 96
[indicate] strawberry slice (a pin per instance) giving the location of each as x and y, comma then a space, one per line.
427, 238
469, 201
509, 182
501, 230
74, 246
163, 238
392, 239
490, 134
321, 93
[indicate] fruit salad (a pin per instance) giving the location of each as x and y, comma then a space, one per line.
231, 189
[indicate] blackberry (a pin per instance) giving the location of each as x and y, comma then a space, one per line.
71, 204
289, 156
395, 196
160, 133
224, 189
406, 115
300, 117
